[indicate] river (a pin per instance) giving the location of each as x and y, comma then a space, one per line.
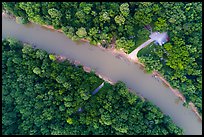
110, 66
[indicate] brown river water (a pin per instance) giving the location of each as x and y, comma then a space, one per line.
104, 62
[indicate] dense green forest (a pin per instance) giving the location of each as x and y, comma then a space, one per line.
179, 60
122, 24
42, 95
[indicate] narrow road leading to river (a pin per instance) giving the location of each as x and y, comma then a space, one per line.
133, 54
107, 64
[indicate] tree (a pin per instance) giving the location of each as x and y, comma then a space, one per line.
93, 31
27, 50
160, 25
54, 13
52, 57
37, 71
142, 18
143, 34
81, 32
41, 54
104, 17
67, 85
124, 9
21, 20
119, 19
81, 16
86, 7
124, 44
61, 79
105, 119
69, 121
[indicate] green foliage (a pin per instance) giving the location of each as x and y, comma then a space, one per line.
52, 57
124, 9
37, 71
119, 19
27, 50
142, 17
54, 13
86, 7
21, 20
104, 16
160, 25
124, 44
181, 56
81, 32
69, 121
143, 34
41, 54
